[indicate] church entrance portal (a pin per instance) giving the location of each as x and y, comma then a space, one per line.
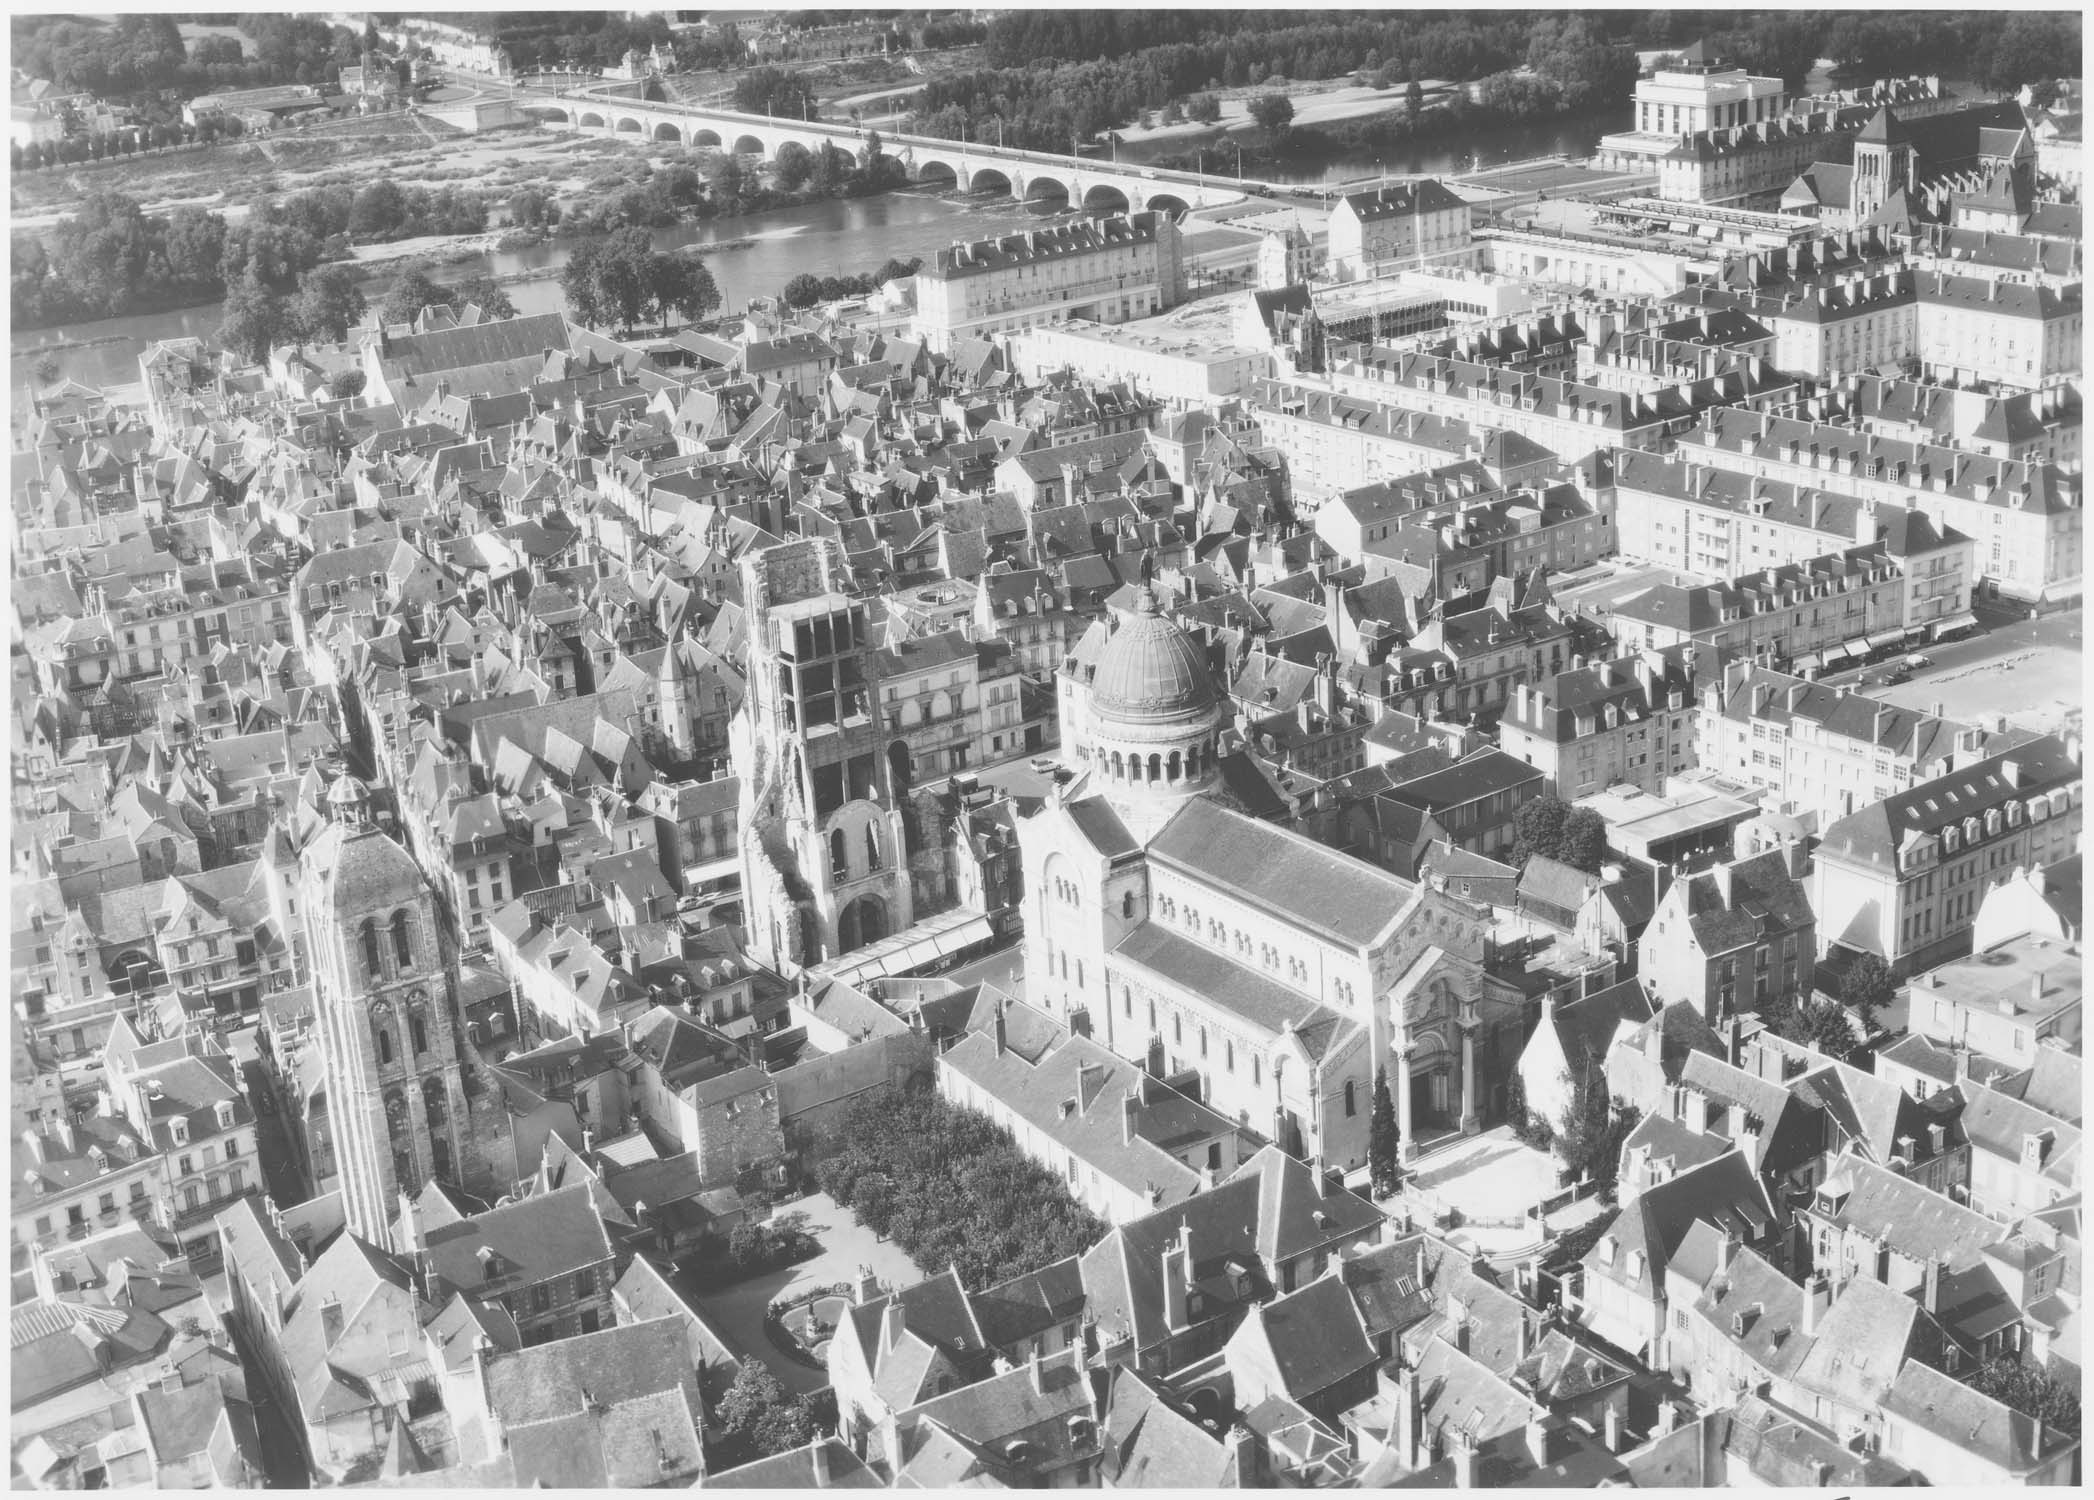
863, 921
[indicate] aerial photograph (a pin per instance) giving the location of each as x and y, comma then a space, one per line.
1046, 748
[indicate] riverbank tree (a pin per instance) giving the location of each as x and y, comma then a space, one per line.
623, 281
807, 289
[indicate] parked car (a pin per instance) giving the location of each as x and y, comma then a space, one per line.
1917, 660
1889, 676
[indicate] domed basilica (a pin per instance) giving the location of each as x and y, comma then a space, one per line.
1195, 940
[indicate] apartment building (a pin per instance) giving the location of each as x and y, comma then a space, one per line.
2039, 427
1570, 419
1335, 443
1986, 330
1107, 270
1902, 878
1822, 752
1733, 937
1395, 225
1796, 613
1712, 522
948, 703
1627, 721
2025, 518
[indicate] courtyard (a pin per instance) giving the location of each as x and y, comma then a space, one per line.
848, 1249
1491, 1182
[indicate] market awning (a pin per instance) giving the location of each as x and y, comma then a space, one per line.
1954, 622
1807, 661
1838, 653
1883, 638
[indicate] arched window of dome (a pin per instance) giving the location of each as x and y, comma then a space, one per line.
370, 939
1119, 766
1155, 767
1176, 767
403, 947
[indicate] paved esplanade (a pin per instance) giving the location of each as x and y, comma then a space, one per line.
972, 166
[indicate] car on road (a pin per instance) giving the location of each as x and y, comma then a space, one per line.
1917, 660
1889, 676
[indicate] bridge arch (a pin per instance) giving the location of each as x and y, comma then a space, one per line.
592, 121
627, 125
555, 115
1045, 189
1103, 197
942, 173
1169, 201
989, 180
703, 137
749, 145
667, 131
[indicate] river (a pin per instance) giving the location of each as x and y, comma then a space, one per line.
1572, 135
844, 236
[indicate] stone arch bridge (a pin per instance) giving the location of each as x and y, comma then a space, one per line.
1026, 175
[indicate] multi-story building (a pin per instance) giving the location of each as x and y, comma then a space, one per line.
1983, 330
2025, 518
1623, 722
1726, 524
1823, 752
1802, 612
545, 1259
1107, 270
2003, 1003
1570, 419
1902, 878
949, 704
824, 866
1394, 226
2029, 426
1733, 937
1336, 443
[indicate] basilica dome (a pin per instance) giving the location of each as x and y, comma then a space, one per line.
1151, 671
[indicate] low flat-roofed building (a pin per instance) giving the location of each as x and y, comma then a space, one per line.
2002, 1002
1681, 825
1184, 366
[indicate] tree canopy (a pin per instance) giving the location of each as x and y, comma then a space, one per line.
950, 1187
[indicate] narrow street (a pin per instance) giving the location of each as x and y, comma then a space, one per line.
282, 1177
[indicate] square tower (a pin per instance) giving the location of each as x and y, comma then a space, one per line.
824, 864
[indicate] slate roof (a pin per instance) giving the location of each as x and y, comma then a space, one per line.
1330, 894
617, 1408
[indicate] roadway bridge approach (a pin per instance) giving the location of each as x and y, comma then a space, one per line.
973, 168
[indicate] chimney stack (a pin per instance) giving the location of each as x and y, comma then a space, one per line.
1613, 1427
1817, 1297
894, 1322
1466, 1464
1408, 1418
1538, 1438
820, 1459
1130, 1110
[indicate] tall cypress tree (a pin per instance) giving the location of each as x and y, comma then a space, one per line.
1381, 1137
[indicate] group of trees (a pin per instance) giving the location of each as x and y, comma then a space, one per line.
623, 281
774, 91
2031, 1390
112, 258
1589, 1136
413, 290
806, 289
950, 1187
104, 145
1551, 827
142, 58
758, 1417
